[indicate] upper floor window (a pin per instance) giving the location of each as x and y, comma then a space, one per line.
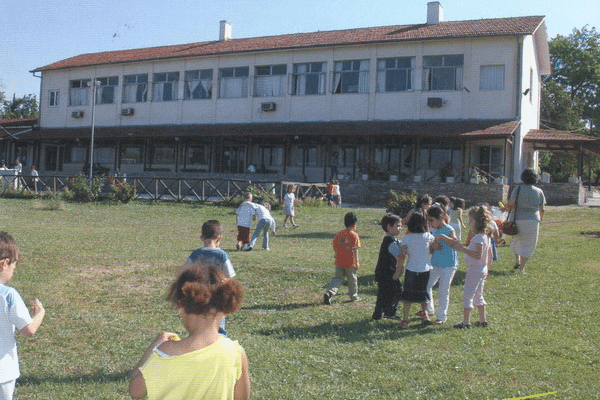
233, 82
198, 84
491, 77
105, 92
79, 90
351, 76
135, 88
395, 74
269, 81
309, 78
443, 72
53, 98
165, 86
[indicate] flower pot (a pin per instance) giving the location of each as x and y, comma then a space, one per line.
474, 180
365, 177
393, 178
449, 179
417, 178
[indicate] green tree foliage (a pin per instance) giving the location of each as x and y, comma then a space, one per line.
571, 97
23, 107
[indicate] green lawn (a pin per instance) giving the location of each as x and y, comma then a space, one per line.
102, 272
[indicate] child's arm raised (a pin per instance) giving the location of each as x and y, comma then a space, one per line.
476, 254
38, 316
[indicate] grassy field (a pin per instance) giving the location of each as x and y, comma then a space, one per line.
102, 272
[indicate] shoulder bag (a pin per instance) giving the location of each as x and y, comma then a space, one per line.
510, 227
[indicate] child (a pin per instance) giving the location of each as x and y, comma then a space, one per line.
330, 193
478, 256
422, 204
345, 246
416, 245
388, 289
288, 207
204, 365
337, 194
13, 316
266, 224
457, 205
444, 261
212, 234
243, 219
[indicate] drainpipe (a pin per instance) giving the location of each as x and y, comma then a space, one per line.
518, 141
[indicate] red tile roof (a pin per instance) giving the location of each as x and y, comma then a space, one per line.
385, 34
545, 135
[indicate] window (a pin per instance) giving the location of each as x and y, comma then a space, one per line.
351, 77
395, 74
443, 72
491, 77
195, 156
271, 157
165, 86
198, 84
233, 82
269, 81
163, 154
53, 98
79, 92
105, 92
76, 154
132, 154
135, 88
308, 78
104, 155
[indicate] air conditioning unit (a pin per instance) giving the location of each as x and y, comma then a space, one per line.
127, 112
434, 102
77, 114
270, 106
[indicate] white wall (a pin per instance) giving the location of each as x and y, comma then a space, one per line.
461, 104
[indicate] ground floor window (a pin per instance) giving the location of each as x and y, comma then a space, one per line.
132, 154
196, 156
163, 154
490, 160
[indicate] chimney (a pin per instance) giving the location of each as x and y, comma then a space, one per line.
435, 13
225, 31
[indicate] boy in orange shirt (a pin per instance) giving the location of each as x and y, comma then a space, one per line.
345, 245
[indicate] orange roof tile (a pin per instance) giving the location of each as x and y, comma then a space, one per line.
397, 33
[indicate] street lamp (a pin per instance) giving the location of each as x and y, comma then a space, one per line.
94, 84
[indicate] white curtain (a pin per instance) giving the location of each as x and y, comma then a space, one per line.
231, 88
78, 96
363, 77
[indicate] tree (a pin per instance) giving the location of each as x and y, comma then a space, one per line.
24, 107
571, 96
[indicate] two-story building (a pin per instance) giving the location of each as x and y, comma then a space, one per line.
430, 100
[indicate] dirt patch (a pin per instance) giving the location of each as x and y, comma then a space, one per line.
591, 233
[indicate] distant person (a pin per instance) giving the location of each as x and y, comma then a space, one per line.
14, 316
345, 246
337, 194
457, 207
266, 225
289, 208
529, 202
388, 289
35, 177
243, 219
205, 364
212, 254
18, 167
416, 248
444, 261
333, 165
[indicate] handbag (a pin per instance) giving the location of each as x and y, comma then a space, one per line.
510, 227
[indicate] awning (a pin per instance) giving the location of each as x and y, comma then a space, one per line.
455, 129
561, 141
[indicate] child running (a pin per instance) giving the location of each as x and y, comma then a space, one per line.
345, 246
203, 365
444, 261
243, 219
416, 246
478, 256
388, 289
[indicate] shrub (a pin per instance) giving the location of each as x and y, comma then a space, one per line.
313, 202
21, 193
401, 203
79, 189
120, 191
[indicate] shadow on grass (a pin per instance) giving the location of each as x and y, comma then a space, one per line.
280, 307
351, 332
314, 235
97, 377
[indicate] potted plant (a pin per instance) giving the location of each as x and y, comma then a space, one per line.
474, 176
446, 173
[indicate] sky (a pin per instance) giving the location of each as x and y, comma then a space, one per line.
36, 33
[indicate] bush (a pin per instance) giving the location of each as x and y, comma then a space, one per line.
401, 203
313, 202
21, 193
79, 190
120, 191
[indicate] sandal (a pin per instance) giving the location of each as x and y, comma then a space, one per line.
404, 324
421, 313
438, 322
483, 324
462, 325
